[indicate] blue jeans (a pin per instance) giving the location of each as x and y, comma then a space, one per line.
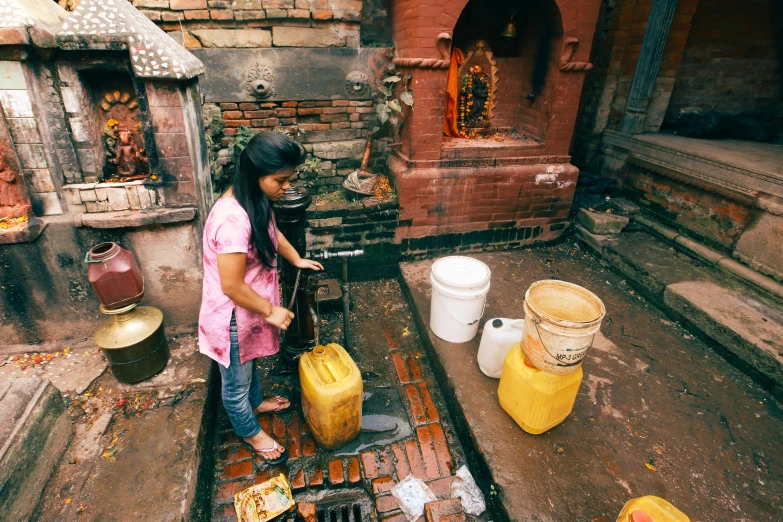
241, 390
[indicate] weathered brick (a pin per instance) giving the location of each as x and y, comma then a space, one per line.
441, 447
297, 481
294, 441
429, 405
235, 453
308, 445
285, 112
414, 369
382, 485
336, 473
417, 408
354, 475
386, 503
369, 464
402, 370
391, 341
444, 511
415, 459
322, 14
178, 5
386, 462
428, 453
221, 14
267, 122
278, 428
237, 470
197, 14
400, 462
317, 478
232, 115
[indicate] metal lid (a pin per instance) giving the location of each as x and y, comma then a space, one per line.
295, 198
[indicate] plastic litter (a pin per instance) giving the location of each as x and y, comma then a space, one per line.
411, 494
468, 492
264, 501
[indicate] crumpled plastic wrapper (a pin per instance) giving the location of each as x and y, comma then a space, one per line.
464, 487
411, 495
264, 501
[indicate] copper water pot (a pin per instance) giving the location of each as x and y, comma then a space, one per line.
134, 342
114, 275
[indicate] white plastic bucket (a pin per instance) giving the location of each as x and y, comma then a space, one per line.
561, 320
459, 291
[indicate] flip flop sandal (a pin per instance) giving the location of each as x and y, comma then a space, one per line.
277, 408
272, 462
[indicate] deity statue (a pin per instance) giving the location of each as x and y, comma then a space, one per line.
474, 100
110, 149
13, 194
480, 97
127, 154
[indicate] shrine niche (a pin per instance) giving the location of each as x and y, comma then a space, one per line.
123, 143
478, 78
17, 222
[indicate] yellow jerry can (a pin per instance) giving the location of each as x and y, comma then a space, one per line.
535, 399
331, 395
651, 509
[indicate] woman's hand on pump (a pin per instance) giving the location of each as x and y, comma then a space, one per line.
280, 317
308, 264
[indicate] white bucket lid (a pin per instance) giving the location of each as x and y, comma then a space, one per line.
460, 272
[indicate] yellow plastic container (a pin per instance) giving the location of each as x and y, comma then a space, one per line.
651, 509
331, 395
536, 400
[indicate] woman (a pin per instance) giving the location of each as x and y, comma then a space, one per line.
241, 316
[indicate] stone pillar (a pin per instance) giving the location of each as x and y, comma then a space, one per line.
647, 67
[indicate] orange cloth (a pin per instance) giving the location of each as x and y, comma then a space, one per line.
452, 95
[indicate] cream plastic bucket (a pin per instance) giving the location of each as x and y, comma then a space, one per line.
459, 291
561, 320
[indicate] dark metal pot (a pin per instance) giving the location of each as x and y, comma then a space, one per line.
134, 342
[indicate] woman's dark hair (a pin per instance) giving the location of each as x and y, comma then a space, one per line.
266, 153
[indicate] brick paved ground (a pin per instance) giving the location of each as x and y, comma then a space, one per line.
389, 355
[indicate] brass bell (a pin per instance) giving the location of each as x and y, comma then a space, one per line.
511, 28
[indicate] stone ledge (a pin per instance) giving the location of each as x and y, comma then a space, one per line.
141, 218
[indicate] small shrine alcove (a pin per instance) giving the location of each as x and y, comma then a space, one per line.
484, 156
508, 48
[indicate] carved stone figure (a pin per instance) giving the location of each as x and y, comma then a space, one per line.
480, 98
13, 195
127, 155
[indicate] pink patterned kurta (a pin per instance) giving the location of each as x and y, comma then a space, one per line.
227, 231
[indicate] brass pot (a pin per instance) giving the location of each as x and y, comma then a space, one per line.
134, 342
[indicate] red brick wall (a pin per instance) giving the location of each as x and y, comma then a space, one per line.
710, 217
303, 115
438, 200
731, 61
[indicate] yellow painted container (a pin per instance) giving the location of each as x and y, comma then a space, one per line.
331, 395
651, 509
536, 400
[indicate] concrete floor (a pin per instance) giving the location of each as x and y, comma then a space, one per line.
658, 412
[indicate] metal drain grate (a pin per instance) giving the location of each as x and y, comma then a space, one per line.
344, 506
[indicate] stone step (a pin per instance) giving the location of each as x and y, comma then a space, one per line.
744, 321
34, 432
